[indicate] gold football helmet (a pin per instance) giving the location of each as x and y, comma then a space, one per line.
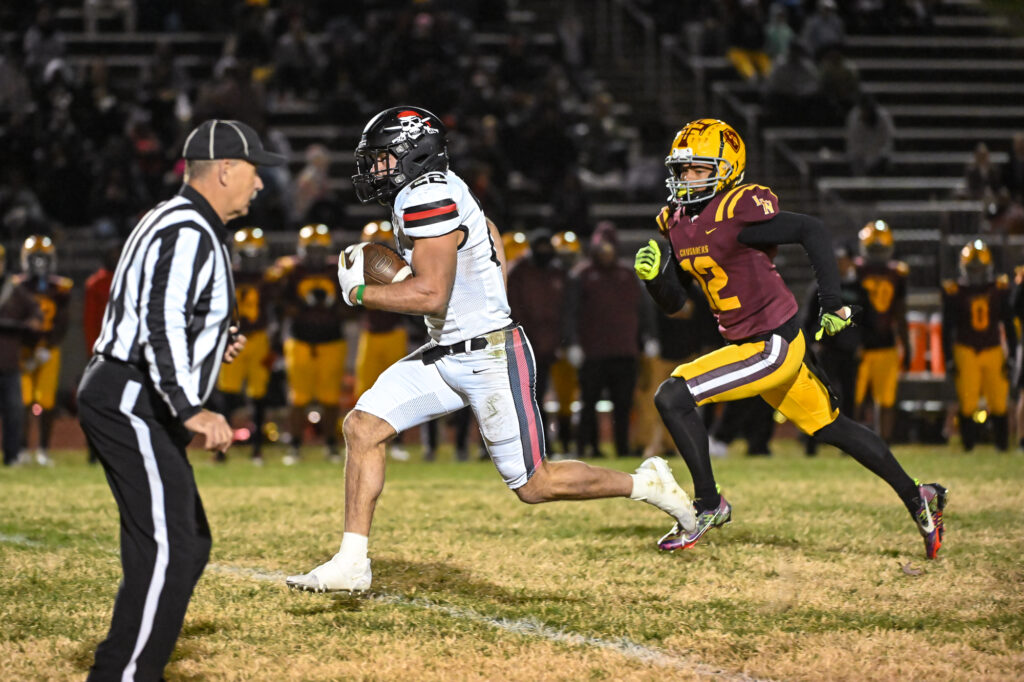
314, 240
381, 232
710, 142
38, 255
876, 241
566, 243
976, 266
515, 244
251, 249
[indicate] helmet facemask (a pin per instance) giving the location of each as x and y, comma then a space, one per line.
976, 266
379, 175
689, 192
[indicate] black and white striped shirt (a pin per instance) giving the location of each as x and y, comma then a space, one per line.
171, 301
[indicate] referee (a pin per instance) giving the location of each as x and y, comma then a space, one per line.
165, 332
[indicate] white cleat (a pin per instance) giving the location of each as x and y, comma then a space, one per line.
334, 576
43, 459
717, 448
653, 483
399, 454
290, 460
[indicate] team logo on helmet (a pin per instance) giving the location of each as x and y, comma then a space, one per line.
412, 126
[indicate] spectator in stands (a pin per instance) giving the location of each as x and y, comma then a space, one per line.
746, 38
118, 193
62, 179
1005, 214
982, 178
518, 65
536, 296
1013, 171
778, 34
19, 205
232, 95
252, 42
870, 137
823, 29
570, 204
791, 92
605, 325
100, 110
148, 153
838, 86
603, 145
574, 46
310, 187
545, 151
295, 61
42, 42
15, 93
166, 91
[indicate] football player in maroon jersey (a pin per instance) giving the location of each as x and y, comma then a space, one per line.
973, 310
883, 324
723, 235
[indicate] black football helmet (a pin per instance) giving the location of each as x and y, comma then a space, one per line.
409, 141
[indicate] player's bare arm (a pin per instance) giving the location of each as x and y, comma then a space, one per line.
428, 290
499, 249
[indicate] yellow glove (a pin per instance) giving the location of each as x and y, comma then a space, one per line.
648, 261
833, 323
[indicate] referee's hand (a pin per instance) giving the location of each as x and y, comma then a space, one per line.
236, 343
214, 427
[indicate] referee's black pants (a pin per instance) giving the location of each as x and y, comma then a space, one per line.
165, 540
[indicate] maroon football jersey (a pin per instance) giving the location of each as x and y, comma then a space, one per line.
742, 286
382, 321
885, 290
254, 293
977, 310
313, 298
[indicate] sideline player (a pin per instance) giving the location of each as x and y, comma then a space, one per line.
883, 323
315, 348
41, 358
973, 309
724, 234
254, 299
476, 356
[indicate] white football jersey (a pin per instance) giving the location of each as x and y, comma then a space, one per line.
433, 205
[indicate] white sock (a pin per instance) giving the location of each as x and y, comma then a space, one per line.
641, 487
353, 547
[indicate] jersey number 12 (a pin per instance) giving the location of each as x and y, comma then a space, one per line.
712, 279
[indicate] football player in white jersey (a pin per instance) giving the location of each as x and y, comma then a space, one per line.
476, 355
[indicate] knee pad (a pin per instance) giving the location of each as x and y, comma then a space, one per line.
674, 396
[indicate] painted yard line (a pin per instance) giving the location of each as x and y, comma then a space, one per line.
529, 628
19, 540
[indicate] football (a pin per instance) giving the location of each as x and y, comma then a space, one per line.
383, 265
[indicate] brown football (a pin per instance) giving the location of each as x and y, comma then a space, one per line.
383, 265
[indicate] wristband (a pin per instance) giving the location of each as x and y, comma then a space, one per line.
359, 293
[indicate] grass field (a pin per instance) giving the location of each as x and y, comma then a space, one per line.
807, 583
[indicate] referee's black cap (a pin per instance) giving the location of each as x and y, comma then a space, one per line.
223, 139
